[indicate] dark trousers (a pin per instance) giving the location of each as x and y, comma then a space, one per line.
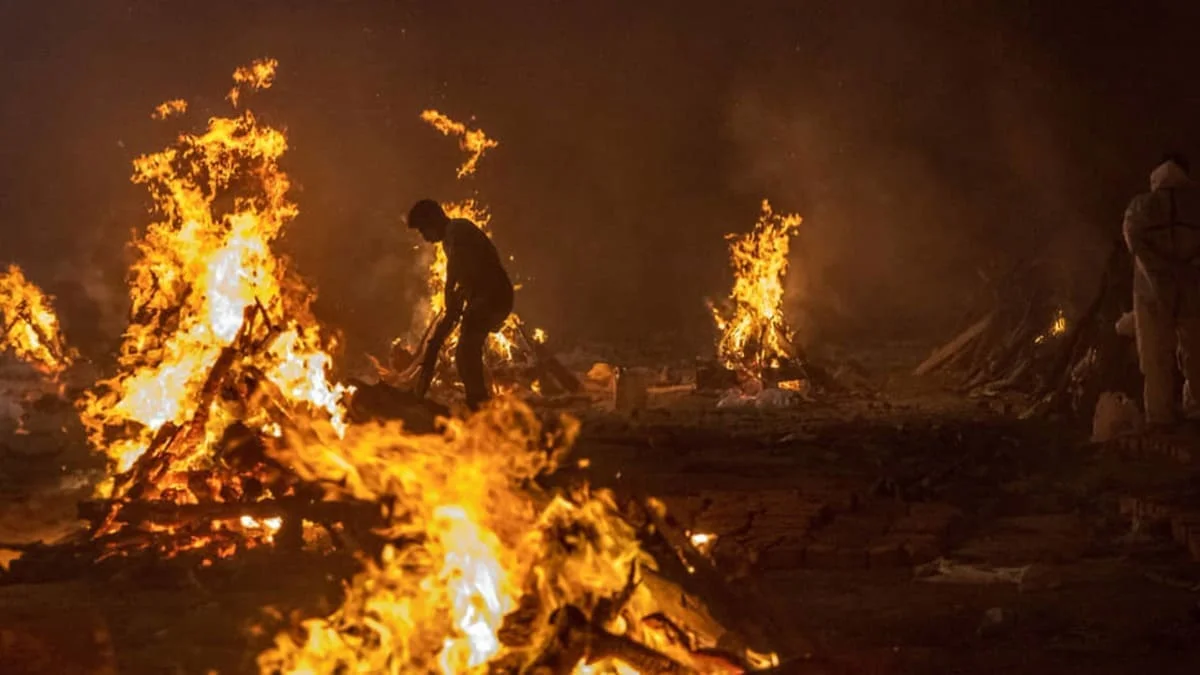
480, 317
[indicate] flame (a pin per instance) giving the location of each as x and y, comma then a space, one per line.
472, 141
703, 541
208, 293
168, 108
501, 346
260, 74
1057, 327
754, 334
31, 330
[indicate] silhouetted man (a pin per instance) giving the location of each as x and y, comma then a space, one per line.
1162, 230
478, 291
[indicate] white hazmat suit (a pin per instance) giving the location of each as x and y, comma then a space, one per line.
1162, 230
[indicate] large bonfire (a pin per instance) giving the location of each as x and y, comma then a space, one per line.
474, 568
754, 334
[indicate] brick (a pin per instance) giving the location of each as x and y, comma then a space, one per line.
821, 556
1181, 526
887, 555
922, 548
785, 556
852, 558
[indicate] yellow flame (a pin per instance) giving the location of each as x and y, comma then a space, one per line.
204, 275
472, 141
1058, 327
754, 333
260, 74
168, 108
501, 346
31, 330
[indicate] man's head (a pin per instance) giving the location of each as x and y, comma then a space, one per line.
1178, 159
428, 218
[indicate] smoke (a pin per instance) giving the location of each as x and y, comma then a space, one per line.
923, 154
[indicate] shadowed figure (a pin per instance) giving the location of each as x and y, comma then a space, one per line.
1162, 230
478, 292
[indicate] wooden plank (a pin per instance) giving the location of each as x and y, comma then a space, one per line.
964, 339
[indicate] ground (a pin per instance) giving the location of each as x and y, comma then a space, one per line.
824, 515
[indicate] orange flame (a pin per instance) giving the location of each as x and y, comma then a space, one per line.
222, 199
472, 141
754, 334
31, 330
260, 74
168, 108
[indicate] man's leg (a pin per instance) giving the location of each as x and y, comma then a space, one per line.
1156, 342
1188, 325
471, 337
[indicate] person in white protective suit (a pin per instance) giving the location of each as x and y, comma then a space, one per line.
1162, 231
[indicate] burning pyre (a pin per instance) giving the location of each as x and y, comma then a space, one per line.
222, 427
754, 334
220, 330
31, 330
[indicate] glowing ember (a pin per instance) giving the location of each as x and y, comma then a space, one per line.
754, 334
703, 541
1058, 327
210, 297
472, 141
31, 331
168, 108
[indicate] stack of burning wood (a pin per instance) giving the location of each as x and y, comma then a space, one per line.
1022, 340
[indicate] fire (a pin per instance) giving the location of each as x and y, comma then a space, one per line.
168, 108
260, 74
472, 141
1057, 327
754, 334
210, 297
501, 346
482, 562
31, 330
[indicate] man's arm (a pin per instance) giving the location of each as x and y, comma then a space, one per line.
453, 300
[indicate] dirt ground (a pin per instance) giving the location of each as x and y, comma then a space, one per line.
828, 512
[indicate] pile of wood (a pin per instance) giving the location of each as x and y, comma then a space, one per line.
1010, 344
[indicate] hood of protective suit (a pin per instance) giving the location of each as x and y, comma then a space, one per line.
1168, 175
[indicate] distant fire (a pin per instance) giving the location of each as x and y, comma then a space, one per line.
1057, 327
472, 141
31, 330
754, 333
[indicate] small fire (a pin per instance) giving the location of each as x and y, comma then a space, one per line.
472, 141
31, 330
210, 297
754, 334
168, 108
1058, 327
260, 74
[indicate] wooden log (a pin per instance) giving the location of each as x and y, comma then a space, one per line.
167, 514
955, 346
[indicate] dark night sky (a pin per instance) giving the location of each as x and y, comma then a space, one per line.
919, 142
